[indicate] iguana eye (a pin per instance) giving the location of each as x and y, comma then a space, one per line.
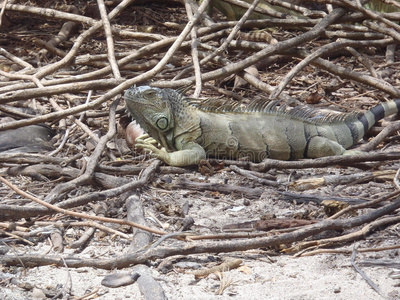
162, 123
149, 93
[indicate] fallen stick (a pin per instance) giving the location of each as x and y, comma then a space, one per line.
129, 259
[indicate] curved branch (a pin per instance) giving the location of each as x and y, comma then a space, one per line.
130, 259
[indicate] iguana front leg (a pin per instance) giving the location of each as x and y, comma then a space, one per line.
191, 153
146, 139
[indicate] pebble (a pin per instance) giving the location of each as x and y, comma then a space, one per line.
337, 290
38, 294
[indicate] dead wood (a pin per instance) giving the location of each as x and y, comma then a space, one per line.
92, 167
354, 236
225, 266
135, 214
361, 160
75, 87
65, 32
254, 177
57, 241
344, 160
24, 231
109, 38
17, 237
366, 278
312, 183
45, 172
13, 212
148, 286
267, 225
29, 158
61, 189
388, 263
227, 246
303, 198
221, 188
84, 239
371, 203
349, 251
49, 13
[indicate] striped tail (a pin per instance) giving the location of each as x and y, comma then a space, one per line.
370, 117
349, 132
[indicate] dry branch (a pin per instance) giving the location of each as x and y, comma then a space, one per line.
48, 13
344, 160
162, 59
75, 214
135, 214
317, 31
110, 41
354, 236
15, 212
41, 72
222, 188
129, 259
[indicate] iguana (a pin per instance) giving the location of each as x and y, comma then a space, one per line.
190, 131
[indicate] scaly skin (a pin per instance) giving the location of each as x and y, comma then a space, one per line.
189, 133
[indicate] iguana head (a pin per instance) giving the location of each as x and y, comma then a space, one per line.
151, 108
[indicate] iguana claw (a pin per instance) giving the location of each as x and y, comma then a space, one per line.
147, 143
145, 138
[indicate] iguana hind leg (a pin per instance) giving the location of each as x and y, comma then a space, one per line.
319, 146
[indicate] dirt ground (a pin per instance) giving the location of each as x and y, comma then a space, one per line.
263, 273
326, 276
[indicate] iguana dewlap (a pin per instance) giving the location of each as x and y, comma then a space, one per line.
190, 132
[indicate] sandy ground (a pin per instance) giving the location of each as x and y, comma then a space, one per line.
323, 276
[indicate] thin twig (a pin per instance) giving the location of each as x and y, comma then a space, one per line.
195, 52
196, 248
115, 91
47, 12
349, 251
41, 72
220, 50
353, 236
366, 278
396, 179
93, 160
76, 214
388, 130
109, 39
15, 59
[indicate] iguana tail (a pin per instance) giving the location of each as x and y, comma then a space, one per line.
334, 137
370, 117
